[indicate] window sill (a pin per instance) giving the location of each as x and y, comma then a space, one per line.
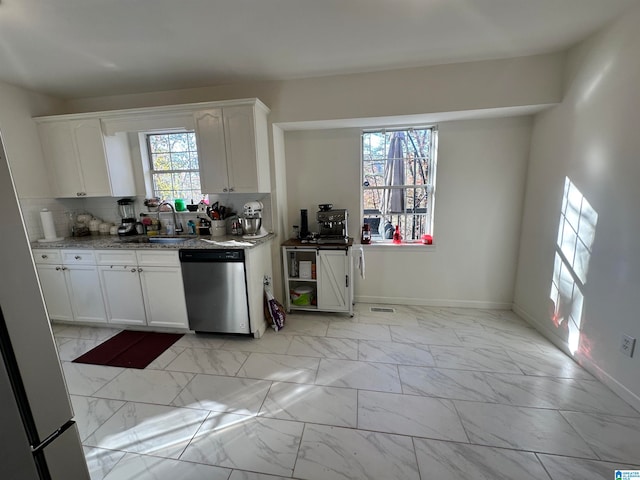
406, 246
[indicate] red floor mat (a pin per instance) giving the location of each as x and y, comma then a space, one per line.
130, 349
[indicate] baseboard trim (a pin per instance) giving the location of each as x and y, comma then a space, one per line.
618, 388
434, 302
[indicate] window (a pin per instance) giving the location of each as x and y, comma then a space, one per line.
173, 159
398, 178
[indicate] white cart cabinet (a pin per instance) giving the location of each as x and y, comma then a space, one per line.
334, 280
233, 148
83, 161
331, 279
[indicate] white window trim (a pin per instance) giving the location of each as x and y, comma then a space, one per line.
431, 186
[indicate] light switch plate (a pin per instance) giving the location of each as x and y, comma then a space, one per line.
627, 345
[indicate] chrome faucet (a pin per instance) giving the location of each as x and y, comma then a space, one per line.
177, 226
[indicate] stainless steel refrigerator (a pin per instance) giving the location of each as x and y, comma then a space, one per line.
38, 437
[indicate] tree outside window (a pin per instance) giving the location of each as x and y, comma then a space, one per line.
174, 165
398, 175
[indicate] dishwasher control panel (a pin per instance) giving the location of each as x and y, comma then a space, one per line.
212, 255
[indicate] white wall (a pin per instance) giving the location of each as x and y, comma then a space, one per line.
591, 138
534, 80
480, 189
17, 107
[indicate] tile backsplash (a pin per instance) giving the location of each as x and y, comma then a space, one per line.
106, 209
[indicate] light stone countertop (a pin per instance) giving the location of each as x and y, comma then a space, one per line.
98, 242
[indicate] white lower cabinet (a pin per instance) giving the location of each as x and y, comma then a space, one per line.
55, 292
123, 294
70, 285
163, 295
85, 292
143, 287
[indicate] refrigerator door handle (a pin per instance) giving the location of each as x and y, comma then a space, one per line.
38, 448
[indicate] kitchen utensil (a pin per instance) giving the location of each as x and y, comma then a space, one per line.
252, 220
84, 218
304, 223
192, 207
218, 228
104, 228
128, 222
213, 212
94, 226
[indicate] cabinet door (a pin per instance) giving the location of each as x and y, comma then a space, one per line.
87, 135
54, 290
212, 154
59, 151
240, 142
333, 280
123, 294
163, 294
85, 292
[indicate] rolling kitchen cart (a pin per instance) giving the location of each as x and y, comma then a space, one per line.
318, 278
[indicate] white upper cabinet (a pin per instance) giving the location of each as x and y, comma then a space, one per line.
233, 149
83, 161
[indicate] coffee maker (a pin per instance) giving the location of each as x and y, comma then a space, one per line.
128, 223
333, 225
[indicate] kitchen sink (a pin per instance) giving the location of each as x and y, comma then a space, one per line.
161, 239
156, 239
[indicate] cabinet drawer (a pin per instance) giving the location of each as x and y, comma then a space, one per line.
46, 256
116, 257
78, 257
150, 258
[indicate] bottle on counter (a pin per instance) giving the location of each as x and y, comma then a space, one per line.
365, 238
397, 236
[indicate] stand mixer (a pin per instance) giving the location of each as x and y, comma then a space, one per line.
252, 220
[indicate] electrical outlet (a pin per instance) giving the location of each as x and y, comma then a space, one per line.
627, 345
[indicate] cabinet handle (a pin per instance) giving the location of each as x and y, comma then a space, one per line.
133, 270
139, 269
231, 189
81, 194
78, 257
45, 256
65, 268
225, 189
58, 268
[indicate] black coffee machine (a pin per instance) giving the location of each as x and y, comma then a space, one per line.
333, 224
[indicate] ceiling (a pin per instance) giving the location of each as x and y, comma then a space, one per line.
83, 48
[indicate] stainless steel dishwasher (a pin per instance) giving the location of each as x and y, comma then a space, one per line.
215, 287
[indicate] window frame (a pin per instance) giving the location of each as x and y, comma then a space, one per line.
430, 186
152, 171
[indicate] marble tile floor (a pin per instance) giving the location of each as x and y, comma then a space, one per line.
420, 393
